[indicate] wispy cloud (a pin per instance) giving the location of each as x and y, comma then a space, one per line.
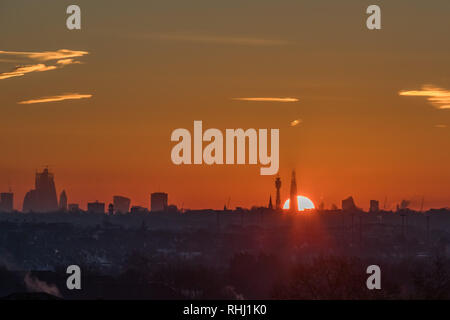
66, 62
296, 122
23, 70
440, 126
64, 58
46, 55
268, 99
67, 96
216, 39
438, 97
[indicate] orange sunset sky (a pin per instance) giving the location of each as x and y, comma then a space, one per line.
369, 114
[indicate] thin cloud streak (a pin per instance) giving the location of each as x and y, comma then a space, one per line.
66, 62
20, 71
46, 55
296, 122
68, 96
217, 39
64, 58
437, 97
267, 99
440, 126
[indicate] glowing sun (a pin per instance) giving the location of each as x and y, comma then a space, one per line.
303, 204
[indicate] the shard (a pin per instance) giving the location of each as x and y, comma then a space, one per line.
293, 194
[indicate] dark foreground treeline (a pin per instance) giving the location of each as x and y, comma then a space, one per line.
246, 276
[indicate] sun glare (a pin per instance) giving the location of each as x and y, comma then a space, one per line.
303, 204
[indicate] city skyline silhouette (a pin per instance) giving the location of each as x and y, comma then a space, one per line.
43, 198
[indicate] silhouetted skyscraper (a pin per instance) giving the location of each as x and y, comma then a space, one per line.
30, 201
63, 201
158, 201
46, 192
278, 198
349, 204
43, 198
6, 202
293, 203
270, 203
121, 204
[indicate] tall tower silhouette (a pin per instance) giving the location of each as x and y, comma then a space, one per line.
278, 200
46, 192
63, 201
43, 197
293, 203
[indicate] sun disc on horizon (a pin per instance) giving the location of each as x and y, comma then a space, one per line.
304, 203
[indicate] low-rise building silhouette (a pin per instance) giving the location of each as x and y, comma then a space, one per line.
374, 206
96, 207
138, 209
6, 202
73, 207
